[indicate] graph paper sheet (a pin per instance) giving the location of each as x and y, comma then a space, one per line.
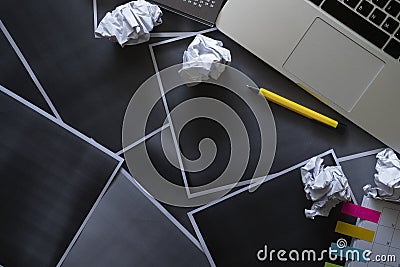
385, 246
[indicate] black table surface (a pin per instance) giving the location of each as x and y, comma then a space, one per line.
50, 180
91, 81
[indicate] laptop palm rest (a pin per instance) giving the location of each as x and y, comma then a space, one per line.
333, 65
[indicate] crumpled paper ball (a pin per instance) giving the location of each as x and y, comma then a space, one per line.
204, 58
387, 178
131, 23
326, 186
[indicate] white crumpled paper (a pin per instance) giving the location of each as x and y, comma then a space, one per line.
130, 23
387, 178
326, 186
204, 58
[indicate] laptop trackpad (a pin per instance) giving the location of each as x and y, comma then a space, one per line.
333, 65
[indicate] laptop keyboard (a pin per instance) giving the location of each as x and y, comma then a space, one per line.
202, 10
376, 20
201, 3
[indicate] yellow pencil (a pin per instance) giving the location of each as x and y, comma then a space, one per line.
306, 112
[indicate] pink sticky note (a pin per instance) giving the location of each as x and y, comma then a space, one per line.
361, 212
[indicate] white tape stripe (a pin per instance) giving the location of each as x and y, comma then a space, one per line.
94, 16
335, 158
258, 180
263, 180
267, 178
356, 156
255, 182
83, 137
105, 150
189, 34
202, 242
60, 123
153, 34
171, 34
167, 112
360, 155
196, 228
29, 70
186, 16
182, 37
221, 188
90, 214
294, 167
143, 139
353, 198
162, 209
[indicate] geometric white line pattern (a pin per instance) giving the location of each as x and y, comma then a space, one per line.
142, 139
162, 209
272, 176
29, 70
193, 221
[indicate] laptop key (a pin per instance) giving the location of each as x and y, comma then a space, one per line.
377, 16
390, 25
365, 8
393, 48
355, 22
397, 35
380, 3
393, 8
351, 3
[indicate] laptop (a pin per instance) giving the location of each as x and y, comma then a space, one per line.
344, 52
204, 11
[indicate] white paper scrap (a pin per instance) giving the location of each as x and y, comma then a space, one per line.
131, 23
387, 178
204, 58
326, 186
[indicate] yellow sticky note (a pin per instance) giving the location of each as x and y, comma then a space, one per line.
354, 231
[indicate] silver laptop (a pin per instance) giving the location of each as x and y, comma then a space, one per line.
345, 53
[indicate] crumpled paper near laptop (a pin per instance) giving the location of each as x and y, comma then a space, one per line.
326, 186
131, 23
204, 58
387, 178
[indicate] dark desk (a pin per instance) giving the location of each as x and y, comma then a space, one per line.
90, 82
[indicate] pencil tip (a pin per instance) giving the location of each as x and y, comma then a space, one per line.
341, 126
253, 88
